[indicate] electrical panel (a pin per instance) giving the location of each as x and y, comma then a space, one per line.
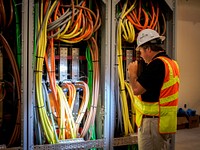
10, 76
130, 17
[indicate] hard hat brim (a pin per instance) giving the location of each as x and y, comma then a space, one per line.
161, 37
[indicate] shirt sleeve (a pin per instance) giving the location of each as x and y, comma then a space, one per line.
153, 76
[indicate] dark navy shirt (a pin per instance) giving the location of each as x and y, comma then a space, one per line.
152, 78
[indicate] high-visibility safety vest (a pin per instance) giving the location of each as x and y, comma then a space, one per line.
166, 107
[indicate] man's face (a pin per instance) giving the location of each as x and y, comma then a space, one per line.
145, 54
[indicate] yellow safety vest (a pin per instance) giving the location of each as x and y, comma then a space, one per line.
166, 107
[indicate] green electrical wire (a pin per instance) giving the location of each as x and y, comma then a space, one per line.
36, 16
18, 36
90, 74
90, 79
90, 83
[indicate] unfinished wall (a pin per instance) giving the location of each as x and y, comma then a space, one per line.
188, 52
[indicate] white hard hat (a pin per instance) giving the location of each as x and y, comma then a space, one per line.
147, 35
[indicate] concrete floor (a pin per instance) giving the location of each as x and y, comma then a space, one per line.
187, 139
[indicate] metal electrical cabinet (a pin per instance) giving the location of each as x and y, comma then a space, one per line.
128, 19
75, 53
79, 33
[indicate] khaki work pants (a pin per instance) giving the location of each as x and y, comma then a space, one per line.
149, 137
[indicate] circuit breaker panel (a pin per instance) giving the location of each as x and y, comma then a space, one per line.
66, 71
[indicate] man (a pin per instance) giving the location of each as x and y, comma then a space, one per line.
156, 92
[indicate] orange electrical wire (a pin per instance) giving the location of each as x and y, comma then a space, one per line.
84, 102
11, 14
152, 15
78, 20
2, 92
2, 14
71, 96
157, 14
136, 21
142, 19
72, 7
89, 28
17, 130
52, 95
92, 112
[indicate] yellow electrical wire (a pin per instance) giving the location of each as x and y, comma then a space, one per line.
131, 94
62, 115
71, 35
124, 28
70, 96
65, 30
42, 42
67, 114
63, 111
128, 31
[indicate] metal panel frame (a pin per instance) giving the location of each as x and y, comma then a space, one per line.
170, 35
113, 68
170, 3
24, 75
30, 70
106, 94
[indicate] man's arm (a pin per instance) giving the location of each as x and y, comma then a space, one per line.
132, 73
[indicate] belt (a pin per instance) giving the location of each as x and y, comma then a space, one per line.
147, 116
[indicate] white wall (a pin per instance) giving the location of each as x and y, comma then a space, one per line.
188, 52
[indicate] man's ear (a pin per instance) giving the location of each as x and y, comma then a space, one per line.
148, 49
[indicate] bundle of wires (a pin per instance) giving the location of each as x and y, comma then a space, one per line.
147, 14
6, 21
17, 129
69, 23
126, 122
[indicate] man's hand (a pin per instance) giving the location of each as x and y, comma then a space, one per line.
132, 70
132, 74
